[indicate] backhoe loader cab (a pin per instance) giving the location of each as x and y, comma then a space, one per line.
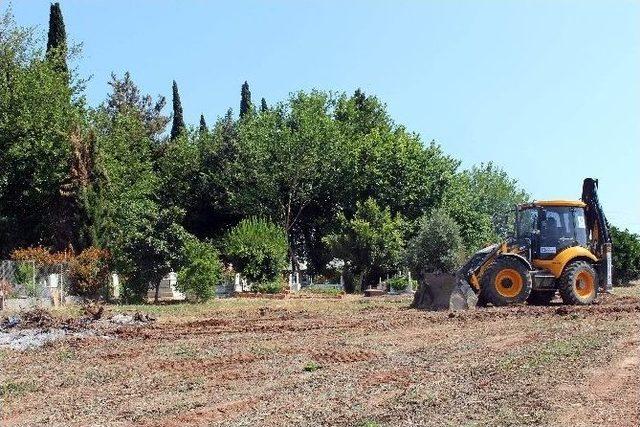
558, 245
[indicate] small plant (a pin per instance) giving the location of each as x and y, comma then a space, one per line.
65, 354
88, 271
311, 367
18, 388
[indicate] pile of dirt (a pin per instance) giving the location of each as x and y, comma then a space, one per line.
37, 327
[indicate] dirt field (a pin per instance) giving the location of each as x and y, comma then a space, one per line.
348, 362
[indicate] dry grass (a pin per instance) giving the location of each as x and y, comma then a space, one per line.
353, 361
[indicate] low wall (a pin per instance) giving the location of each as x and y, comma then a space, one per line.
25, 303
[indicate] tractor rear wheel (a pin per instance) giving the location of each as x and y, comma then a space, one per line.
541, 297
578, 283
506, 281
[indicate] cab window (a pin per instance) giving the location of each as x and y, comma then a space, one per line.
527, 222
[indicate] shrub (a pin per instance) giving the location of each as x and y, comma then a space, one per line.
267, 288
40, 256
25, 275
324, 290
89, 272
202, 270
437, 246
398, 284
626, 255
257, 248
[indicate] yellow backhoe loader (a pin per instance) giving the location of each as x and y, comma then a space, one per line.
559, 246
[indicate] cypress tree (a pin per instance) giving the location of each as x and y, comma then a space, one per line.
263, 105
245, 100
178, 121
57, 37
203, 124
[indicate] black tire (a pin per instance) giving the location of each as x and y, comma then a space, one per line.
499, 290
578, 283
541, 297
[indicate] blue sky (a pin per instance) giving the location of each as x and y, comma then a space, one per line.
549, 90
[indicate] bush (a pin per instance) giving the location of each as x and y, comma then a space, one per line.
40, 256
202, 270
626, 256
89, 272
25, 275
257, 248
437, 246
267, 288
322, 290
398, 284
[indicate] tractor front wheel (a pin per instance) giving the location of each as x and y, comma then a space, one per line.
578, 283
506, 281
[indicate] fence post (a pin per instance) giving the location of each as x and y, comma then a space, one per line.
33, 275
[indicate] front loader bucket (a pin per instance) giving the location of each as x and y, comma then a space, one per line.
462, 296
449, 292
444, 292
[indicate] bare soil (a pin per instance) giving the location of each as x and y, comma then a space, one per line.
344, 362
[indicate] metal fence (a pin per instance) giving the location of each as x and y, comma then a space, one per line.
26, 279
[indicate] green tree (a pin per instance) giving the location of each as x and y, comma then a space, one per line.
482, 201
461, 203
203, 124
388, 163
200, 175
626, 255
246, 107
437, 246
150, 249
496, 196
144, 237
257, 248
178, 127
57, 38
371, 243
45, 151
295, 157
263, 105
125, 98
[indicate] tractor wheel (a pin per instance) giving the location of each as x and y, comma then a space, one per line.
541, 297
506, 281
578, 283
